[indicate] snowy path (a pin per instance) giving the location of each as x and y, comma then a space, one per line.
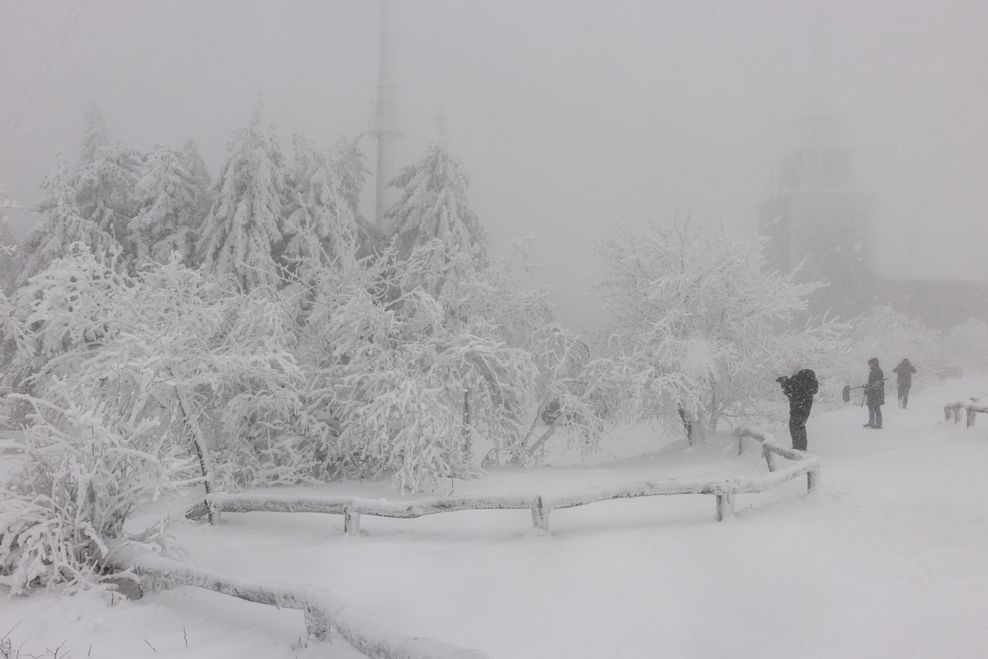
889, 559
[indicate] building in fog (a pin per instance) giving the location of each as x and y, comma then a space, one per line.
818, 219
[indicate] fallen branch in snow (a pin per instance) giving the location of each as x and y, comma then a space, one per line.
323, 610
971, 407
540, 505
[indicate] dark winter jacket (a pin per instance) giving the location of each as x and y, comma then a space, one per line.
875, 389
800, 388
904, 373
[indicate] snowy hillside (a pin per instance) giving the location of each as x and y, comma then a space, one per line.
887, 559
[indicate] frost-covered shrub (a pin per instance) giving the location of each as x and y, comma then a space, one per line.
83, 473
700, 326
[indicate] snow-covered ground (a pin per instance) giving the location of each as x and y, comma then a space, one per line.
888, 559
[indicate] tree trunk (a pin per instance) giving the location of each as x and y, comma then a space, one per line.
465, 428
198, 443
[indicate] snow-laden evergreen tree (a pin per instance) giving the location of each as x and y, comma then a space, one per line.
104, 179
240, 235
10, 253
63, 226
166, 196
318, 211
432, 205
700, 327
8, 245
196, 167
350, 169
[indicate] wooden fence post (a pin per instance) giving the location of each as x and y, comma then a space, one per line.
540, 516
970, 417
725, 505
957, 413
769, 457
812, 480
946, 412
351, 522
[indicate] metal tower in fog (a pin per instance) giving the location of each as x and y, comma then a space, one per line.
384, 125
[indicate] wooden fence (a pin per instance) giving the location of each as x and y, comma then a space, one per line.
953, 411
725, 491
323, 611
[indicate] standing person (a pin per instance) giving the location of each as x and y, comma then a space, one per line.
875, 394
904, 380
799, 389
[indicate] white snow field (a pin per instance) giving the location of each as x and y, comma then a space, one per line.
888, 558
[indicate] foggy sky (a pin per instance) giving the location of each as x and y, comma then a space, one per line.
571, 116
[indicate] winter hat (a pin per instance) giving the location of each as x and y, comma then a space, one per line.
873, 361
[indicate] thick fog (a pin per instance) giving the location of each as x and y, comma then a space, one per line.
571, 117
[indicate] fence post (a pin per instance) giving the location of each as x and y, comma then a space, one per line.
970, 417
946, 412
812, 480
540, 516
725, 505
957, 413
769, 457
351, 522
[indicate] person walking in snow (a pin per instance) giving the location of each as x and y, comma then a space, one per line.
875, 394
904, 380
799, 389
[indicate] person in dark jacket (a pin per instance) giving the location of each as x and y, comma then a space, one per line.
875, 394
799, 389
904, 380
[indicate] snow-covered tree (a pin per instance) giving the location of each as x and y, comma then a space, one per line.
241, 233
7, 243
62, 227
84, 471
166, 196
10, 253
432, 205
201, 183
700, 327
319, 213
104, 179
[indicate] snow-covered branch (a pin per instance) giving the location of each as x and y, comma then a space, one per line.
324, 611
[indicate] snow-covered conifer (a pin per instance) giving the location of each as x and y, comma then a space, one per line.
104, 179
319, 215
432, 205
243, 229
63, 226
166, 196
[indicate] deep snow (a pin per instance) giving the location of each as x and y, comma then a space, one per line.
887, 559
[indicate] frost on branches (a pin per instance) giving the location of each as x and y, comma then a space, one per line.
243, 229
84, 471
699, 326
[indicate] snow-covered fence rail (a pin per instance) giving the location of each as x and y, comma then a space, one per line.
953, 411
323, 611
540, 505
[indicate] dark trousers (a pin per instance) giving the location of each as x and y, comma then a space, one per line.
798, 414
903, 395
875, 415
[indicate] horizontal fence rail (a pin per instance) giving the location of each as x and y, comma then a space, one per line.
324, 612
970, 407
540, 506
